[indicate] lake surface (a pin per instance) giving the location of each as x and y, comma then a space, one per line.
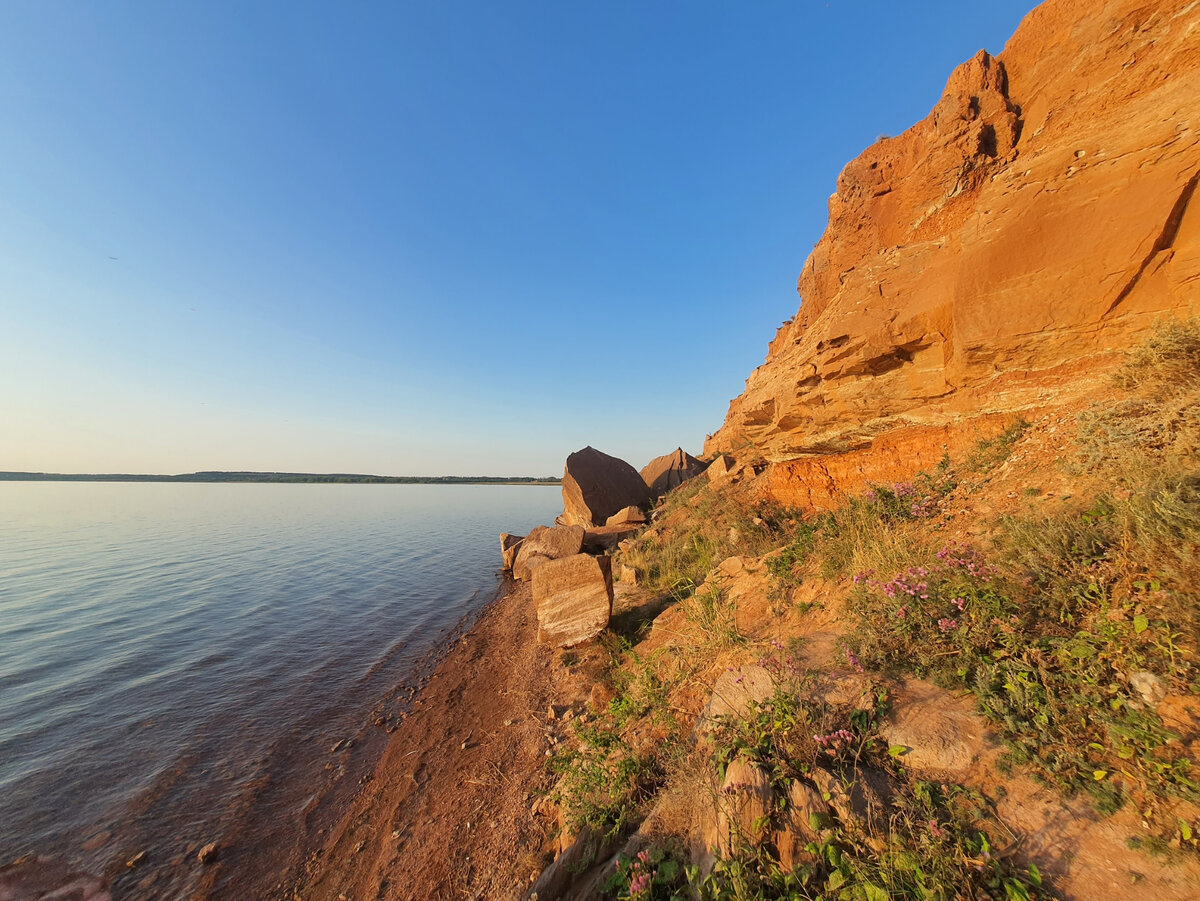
168, 652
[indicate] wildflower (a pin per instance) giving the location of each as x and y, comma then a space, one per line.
902, 612
834, 738
959, 603
947, 625
852, 658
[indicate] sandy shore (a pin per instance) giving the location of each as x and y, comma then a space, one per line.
446, 811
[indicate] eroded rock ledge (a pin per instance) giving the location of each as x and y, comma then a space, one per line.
995, 258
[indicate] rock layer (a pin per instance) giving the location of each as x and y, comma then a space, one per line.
995, 257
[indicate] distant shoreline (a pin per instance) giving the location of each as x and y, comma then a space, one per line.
290, 478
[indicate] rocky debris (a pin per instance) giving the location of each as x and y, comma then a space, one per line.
595, 486
736, 691
603, 538
799, 825
546, 543
939, 733
720, 470
557, 880
208, 853
743, 807
573, 597
1030, 201
509, 545
670, 471
626, 516
629, 575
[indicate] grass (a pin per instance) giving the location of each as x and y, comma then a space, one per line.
933, 843
1055, 624
697, 528
1066, 627
605, 777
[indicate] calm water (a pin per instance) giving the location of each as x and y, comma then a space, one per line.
164, 648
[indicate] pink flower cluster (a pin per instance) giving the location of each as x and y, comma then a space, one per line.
911, 583
903, 489
947, 625
853, 660
642, 876
955, 556
833, 739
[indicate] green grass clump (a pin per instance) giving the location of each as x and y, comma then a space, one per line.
697, 529
928, 841
605, 776
1072, 626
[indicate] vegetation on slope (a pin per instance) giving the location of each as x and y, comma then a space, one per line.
1073, 625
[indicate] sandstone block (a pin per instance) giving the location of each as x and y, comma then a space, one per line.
940, 733
743, 807
574, 598
626, 516
548, 544
796, 826
736, 692
509, 545
670, 471
720, 470
595, 486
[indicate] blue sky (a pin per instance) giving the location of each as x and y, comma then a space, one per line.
421, 238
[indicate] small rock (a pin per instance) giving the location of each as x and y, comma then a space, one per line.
1149, 686
208, 853
626, 516
136, 860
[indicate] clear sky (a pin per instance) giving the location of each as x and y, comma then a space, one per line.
422, 238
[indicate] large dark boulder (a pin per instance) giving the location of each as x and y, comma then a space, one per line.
595, 486
670, 471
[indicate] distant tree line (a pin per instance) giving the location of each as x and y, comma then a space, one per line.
337, 478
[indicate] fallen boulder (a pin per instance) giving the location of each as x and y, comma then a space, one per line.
625, 516
573, 597
595, 486
546, 543
602, 538
670, 471
509, 545
720, 470
735, 694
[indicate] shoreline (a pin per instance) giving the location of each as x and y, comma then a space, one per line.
277, 865
444, 810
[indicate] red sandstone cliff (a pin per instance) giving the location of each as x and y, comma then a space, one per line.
996, 257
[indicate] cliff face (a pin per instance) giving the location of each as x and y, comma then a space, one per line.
996, 257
